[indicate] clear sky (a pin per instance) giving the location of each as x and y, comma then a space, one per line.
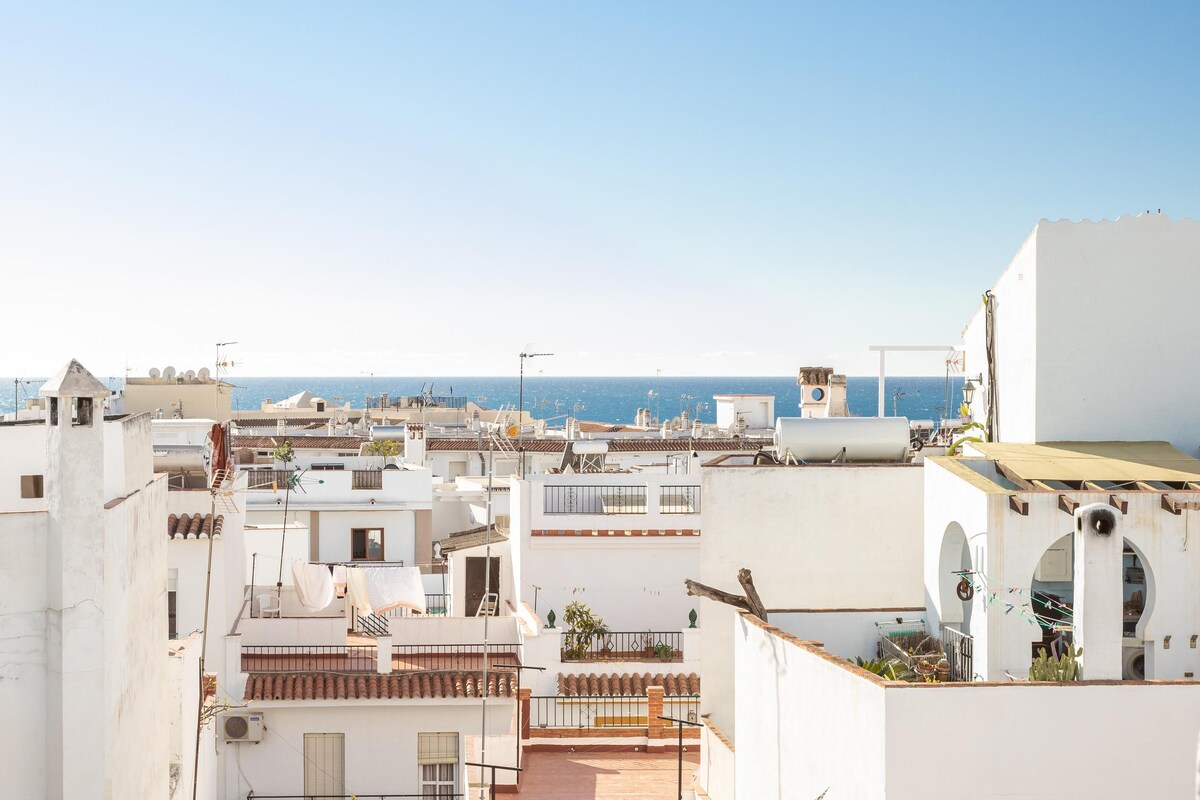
423, 188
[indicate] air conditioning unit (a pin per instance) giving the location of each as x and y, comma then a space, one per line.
243, 727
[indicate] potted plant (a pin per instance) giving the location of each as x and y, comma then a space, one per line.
663, 651
648, 645
582, 629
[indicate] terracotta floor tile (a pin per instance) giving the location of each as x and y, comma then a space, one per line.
605, 775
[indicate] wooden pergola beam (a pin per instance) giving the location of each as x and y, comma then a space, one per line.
1119, 503
1067, 505
1018, 505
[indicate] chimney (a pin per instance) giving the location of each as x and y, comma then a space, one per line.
1099, 598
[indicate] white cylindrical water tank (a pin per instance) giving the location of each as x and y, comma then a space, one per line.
380, 432
595, 447
822, 438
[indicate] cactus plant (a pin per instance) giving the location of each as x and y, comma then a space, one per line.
1056, 669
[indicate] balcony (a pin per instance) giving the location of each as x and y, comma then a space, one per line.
364, 659
665, 646
594, 500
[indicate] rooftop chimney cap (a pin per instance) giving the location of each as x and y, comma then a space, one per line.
74, 380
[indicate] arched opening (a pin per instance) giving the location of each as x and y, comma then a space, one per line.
1052, 599
955, 556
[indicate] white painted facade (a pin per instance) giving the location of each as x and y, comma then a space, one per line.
84, 639
1094, 328
865, 738
814, 537
634, 582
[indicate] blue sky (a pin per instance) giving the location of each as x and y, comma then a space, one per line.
422, 189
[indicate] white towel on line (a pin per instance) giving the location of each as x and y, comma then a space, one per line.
339, 579
356, 587
388, 587
314, 585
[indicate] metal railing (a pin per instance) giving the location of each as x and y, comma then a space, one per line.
359, 795
309, 658
450, 657
605, 711
594, 500
623, 646
435, 605
679, 499
274, 479
363, 658
367, 479
959, 652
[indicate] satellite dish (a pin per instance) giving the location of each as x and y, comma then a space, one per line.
168, 373
154, 373
203, 374
190, 376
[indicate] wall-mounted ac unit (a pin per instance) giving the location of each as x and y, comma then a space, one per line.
244, 727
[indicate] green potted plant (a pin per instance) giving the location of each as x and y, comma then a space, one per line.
663, 651
648, 645
582, 629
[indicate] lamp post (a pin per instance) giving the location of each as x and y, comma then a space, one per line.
521, 411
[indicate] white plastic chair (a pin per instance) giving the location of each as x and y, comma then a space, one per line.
268, 604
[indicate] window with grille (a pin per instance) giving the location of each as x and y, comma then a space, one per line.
437, 759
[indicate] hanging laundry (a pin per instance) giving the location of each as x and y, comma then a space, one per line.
390, 587
356, 587
314, 585
339, 579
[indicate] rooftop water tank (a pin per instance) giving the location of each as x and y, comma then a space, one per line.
822, 438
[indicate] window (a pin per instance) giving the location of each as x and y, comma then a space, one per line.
366, 544
325, 764
32, 486
172, 588
437, 758
83, 411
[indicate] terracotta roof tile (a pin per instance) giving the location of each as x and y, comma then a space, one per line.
194, 525
627, 684
291, 686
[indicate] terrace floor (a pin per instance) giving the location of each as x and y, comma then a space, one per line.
605, 775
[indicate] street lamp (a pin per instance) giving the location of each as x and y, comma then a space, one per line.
521, 411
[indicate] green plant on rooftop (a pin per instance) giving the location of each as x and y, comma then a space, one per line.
583, 627
383, 447
283, 452
1056, 669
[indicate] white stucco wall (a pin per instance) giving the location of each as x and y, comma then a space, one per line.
805, 725
1091, 320
24, 453
1006, 547
381, 742
845, 537
1041, 742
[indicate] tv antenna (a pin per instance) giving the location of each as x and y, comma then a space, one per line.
17, 384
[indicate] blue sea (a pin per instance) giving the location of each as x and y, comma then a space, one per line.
609, 400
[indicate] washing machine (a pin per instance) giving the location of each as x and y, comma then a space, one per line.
1133, 660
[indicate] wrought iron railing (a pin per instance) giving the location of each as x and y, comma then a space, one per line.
446, 657
679, 499
606, 711
623, 646
309, 658
594, 500
363, 658
360, 796
959, 652
273, 479
367, 479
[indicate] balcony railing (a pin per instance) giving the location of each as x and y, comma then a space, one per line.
959, 652
623, 646
309, 658
360, 796
605, 711
444, 657
272, 479
367, 479
594, 500
679, 499
363, 658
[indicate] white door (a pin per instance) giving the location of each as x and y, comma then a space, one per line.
325, 764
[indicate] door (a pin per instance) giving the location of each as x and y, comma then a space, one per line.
325, 764
475, 583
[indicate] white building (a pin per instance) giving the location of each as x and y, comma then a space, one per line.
83, 644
